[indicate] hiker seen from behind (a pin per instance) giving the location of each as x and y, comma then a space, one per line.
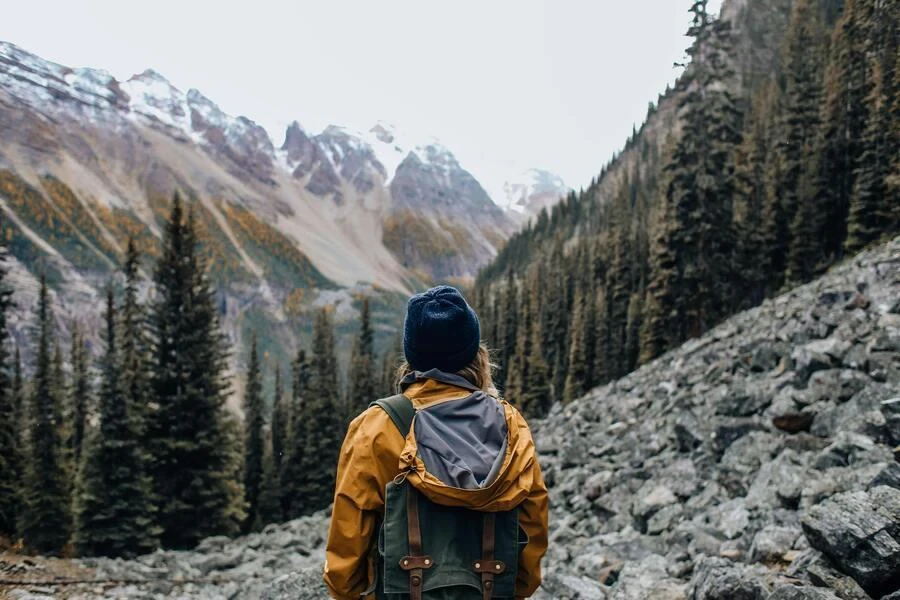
439, 494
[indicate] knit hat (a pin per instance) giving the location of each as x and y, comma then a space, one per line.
441, 331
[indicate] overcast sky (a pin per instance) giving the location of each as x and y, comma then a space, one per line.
505, 84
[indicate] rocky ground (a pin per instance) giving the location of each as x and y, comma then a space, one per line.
758, 462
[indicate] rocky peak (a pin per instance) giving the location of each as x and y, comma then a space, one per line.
157, 102
296, 143
528, 192
303, 157
239, 139
41, 82
353, 157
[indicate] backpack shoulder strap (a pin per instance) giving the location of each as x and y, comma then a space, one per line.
400, 409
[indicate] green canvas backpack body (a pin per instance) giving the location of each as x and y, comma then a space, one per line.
427, 551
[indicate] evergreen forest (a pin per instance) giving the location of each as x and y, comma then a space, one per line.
138, 450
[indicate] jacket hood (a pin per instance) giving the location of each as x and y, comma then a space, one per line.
465, 447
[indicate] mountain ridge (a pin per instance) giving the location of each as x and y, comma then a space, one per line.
89, 160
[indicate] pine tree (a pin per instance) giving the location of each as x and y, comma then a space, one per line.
700, 183
192, 439
799, 122
661, 302
509, 333
46, 516
9, 432
65, 417
390, 362
292, 477
843, 120
323, 426
872, 207
135, 343
576, 376
752, 162
80, 400
269, 502
517, 373
19, 405
362, 366
618, 285
601, 369
280, 423
556, 333
113, 506
536, 399
254, 422
632, 346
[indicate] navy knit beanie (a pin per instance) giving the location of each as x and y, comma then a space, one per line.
441, 331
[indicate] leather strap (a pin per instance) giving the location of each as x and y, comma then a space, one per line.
415, 562
487, 557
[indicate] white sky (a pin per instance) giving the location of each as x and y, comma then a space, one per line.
505, 84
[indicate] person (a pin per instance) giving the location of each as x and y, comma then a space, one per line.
468, 455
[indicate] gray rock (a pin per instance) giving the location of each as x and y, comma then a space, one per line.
720, 579
302, 585
860, 532
851, 449
595, 485
647, 579
846, 588
766, 356
743, 400
807, 360
651, 498
772, 543
569, 587
889, 476
790, 592
664, 519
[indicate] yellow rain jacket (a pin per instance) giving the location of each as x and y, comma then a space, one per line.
374, 453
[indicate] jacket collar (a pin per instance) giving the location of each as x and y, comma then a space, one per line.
432, 382
438, 375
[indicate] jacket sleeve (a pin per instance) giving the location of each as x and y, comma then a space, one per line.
533, 518
368, 460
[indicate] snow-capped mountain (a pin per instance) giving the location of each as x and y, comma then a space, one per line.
88, 160
528, 192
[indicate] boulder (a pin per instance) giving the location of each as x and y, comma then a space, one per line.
721, 579
860, 532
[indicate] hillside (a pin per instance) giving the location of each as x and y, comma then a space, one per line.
772, 158
758, 461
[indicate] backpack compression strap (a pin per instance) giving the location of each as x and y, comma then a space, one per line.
400, 409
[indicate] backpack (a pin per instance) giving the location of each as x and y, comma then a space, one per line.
428, 551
